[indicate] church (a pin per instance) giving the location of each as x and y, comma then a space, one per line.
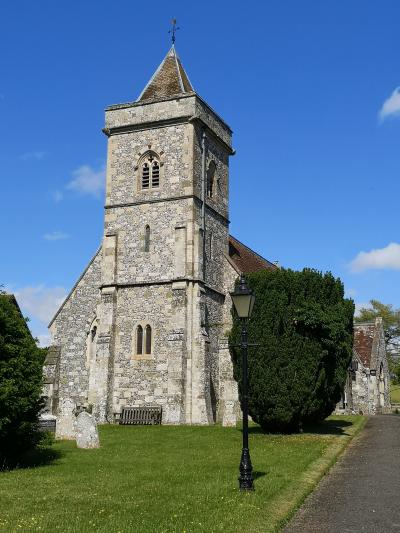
146, 324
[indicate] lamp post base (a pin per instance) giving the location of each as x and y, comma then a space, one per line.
246, 471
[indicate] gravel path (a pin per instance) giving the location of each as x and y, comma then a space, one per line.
362, 491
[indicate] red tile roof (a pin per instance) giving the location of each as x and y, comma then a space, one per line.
363, 340
245, 259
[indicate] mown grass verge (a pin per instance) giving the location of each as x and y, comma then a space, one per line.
171, 479
395, 393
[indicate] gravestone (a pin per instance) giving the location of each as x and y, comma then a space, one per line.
47, 422
65, 420
87, 435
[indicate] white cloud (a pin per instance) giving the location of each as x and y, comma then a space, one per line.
40, 302
391, 106
33, 155
57, 196
87, 180
350, 293
44, 339
55, 236
359, 306
382, 258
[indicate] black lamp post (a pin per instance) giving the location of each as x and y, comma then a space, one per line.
243, 301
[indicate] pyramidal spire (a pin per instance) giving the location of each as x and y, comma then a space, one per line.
169, 79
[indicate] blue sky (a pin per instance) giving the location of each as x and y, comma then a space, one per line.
309, 88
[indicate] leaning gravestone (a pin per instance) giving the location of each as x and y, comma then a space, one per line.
87, 435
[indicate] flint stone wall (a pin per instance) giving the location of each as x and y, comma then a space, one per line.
69, 330
189, 369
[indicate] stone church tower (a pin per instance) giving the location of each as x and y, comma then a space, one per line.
147, 322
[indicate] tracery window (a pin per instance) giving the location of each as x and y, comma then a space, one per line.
211, 179
150, 171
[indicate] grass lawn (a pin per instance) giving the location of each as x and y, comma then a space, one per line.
171, 479
395, 393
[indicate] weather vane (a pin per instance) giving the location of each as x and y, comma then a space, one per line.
173, 30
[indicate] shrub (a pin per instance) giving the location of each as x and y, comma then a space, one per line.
20, 384
304, 327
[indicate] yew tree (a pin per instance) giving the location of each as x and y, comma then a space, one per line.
20, 384
303, 326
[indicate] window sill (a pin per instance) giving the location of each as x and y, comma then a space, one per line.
142, 357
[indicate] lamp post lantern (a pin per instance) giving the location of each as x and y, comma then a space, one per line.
243, 301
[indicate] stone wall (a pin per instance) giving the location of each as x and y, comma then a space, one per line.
368, 387
171, 226
188, 371
70, 330
142, 379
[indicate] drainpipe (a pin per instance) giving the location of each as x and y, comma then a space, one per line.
203, 197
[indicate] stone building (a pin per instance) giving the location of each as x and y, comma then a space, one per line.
147, 322
367, 389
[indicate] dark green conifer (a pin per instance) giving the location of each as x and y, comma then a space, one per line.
304, 327
20, 384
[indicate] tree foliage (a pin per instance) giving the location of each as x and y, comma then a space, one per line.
391, 325
20, 384
390, 317
304, 328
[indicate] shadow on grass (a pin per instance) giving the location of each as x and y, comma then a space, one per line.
326, 427
41, 456
257, 474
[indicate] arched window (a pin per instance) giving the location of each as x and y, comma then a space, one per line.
148, 339
150, 171
210, 179
147, 239
139, 340
155, 174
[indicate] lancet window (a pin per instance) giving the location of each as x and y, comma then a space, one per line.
144, 340
148, 339
139, 340
211, 179
147, 239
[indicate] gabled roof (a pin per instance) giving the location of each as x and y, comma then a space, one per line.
169, 79
364, 335
246, 260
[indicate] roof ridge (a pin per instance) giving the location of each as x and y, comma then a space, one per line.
178, 69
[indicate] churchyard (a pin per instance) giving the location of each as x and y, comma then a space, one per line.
170, 479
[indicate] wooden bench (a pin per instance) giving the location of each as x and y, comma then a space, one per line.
145, 415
